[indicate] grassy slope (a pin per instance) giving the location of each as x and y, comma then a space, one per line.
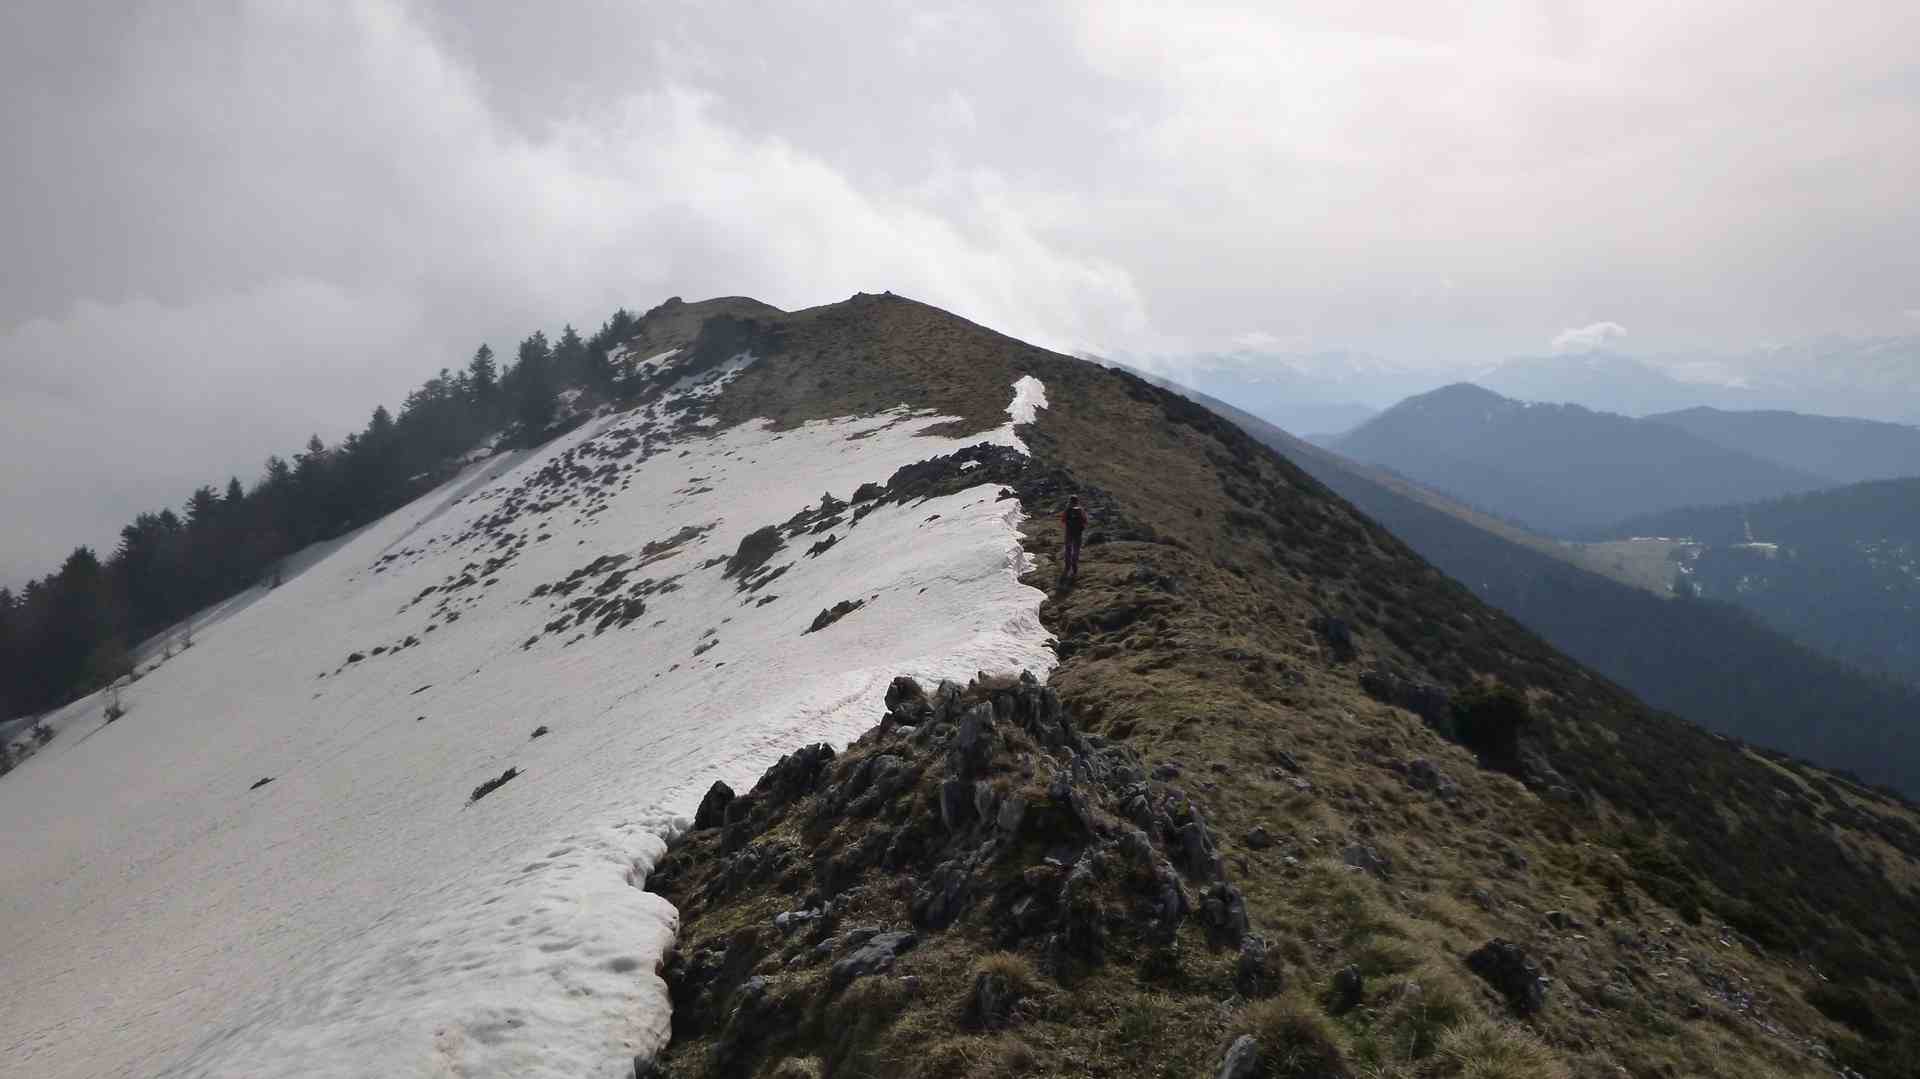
1188, 638
1709, 661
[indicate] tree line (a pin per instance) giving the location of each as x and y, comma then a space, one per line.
73, 630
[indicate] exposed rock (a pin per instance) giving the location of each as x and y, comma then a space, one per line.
1224, 910
1349, 989
835, 613
975, 741
1258, 839
1013, 811
539, 732
956, 803
1560, 919
797, 774
904, 690
872, 957
1242, 1060
991, 1002
713, 807
492, 785
1423, 775
1505, 967
1197, 854
1431, 703
1057, 874
261, 782
1337, 635
1256, 973
945, 894
746, 1026
1359, 856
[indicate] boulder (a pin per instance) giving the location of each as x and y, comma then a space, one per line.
990, 1003
1257, 973
872, 957
713, 808
1349, 989
1225, 912
1423, 775
1197, 854
798, 773
1507, 968
1013, 811
1365, 858
1242, 1060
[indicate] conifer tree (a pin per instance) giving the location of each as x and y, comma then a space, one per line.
570, 360
482, 376
534, 386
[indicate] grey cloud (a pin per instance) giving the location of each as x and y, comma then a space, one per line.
228, 227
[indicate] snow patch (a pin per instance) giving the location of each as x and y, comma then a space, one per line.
356, 916
1029, 397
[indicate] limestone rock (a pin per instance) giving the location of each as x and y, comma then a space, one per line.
1242, 1060
1506, 967
872, 957
713, 808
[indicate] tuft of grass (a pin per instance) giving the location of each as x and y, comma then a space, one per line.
1296, 1039
1429, 1006
798, 1068
1488, 1050
1015, 970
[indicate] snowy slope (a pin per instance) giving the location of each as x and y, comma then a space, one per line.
356, 916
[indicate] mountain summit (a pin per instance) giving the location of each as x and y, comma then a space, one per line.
1260, 793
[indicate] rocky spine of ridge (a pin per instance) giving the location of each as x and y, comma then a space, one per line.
987, 800
1464, 854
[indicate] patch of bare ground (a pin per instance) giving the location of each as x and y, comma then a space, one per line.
1442, 879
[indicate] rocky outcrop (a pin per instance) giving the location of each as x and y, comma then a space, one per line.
1507, 968
981, 806
713, 806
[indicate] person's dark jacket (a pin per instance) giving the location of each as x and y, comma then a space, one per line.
1075, 520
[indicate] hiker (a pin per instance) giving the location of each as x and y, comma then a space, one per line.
1075, 522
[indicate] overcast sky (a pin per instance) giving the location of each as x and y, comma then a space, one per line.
227, 225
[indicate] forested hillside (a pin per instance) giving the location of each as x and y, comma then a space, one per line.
1838, 570
74, 629
1843, 449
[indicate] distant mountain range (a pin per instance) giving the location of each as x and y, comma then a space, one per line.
1559, 469
1331, 391
1309, 393
1876, 378
1842, 450
1708, 661
1602, 381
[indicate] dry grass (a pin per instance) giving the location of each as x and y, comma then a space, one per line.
1488, 1050
1296, 1039
1187, 637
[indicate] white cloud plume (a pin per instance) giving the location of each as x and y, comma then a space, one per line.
1588, 338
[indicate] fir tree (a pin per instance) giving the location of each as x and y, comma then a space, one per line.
482, 377
534, 385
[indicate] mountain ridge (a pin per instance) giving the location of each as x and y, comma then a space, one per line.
1560, 469
1842, 449
1372, 811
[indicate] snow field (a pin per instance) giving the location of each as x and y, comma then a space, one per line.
356, 916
